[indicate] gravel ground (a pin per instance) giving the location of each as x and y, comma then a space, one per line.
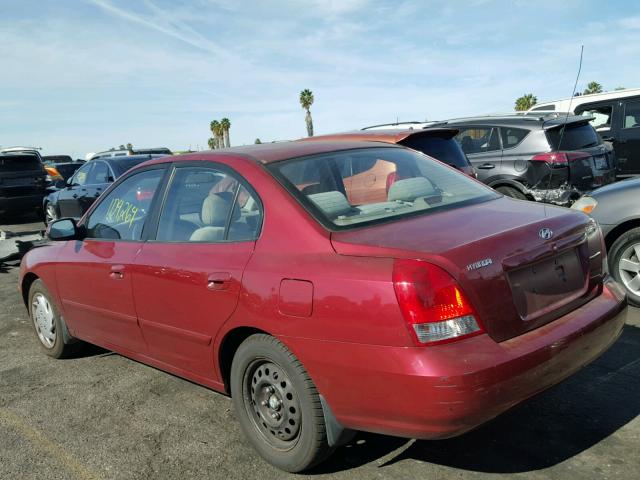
102, 416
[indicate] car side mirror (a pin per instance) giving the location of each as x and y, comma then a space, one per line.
64, 229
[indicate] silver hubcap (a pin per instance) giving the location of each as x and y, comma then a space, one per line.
629, 268
43, 320
51, 213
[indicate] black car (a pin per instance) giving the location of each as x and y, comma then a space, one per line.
22, 183
616, 207
549, 158
86, 184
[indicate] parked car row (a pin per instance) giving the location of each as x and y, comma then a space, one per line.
335, 284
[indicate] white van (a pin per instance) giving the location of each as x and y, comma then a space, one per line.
616, 116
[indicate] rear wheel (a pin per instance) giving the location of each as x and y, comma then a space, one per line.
624, 263
48, 324
278, 405
512, 192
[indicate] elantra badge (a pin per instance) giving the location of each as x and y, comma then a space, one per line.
482, 263
545, 233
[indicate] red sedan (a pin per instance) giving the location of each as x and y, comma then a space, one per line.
249, 271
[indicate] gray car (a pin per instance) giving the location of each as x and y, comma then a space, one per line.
616, 207
549, 158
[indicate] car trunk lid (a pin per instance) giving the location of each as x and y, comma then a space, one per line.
516, 279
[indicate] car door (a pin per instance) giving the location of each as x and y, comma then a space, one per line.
98, 179
607, 118
482, 146
69, 198
628, 145
94, 274
187, 280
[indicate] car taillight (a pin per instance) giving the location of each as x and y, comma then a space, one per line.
391, 179
559, 158
53, 173
142, 195
432, 303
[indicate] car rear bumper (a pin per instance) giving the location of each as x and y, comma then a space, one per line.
446, 390
21, 203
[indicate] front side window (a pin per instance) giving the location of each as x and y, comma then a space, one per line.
601, 114
478, 139
208, 205
413, 184
99, 174
82, 175
632, 115
121, 214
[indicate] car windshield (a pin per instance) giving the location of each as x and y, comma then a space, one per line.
446, 150
353, 187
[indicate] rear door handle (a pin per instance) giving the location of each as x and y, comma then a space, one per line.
117, 272
218, 281
486, 166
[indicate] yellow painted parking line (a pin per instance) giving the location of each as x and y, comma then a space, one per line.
40, 440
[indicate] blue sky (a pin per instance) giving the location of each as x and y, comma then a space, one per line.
84, 75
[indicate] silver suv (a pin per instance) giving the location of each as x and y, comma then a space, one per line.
551, 158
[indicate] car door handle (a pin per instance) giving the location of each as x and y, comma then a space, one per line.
218, 281
486, 166
117, 272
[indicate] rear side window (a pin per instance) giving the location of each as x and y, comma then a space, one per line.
478, 139
403, 183
601, 115
208, 205
446, 150
545, 108
512, 136
632, 115
575, 137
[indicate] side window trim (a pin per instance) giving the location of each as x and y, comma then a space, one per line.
158, 208
493, 129
114, 185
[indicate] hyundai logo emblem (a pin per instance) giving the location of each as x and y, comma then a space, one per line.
545, 233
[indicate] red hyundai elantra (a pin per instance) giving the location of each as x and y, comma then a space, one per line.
422, 314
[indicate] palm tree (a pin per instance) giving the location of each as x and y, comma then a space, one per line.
226, 125
212, 143
593, 87
257, 142
220, 135
525, 102
215, 130
306, 100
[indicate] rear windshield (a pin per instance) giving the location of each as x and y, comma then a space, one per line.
443, 149
388, 183
124, 163
575, 137
20, 163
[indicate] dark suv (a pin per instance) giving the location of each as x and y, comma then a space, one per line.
550, 158
22, 182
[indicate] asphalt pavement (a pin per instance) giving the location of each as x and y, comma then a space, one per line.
102, 416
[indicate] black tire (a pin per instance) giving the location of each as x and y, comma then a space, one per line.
512, 192
264, 368
618, 251
60, 344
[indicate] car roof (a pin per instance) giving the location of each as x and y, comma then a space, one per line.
386, 136
530, 120
266, 153
592, 97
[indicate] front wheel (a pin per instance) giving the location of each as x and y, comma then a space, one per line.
624, 263
277, 404
48, 324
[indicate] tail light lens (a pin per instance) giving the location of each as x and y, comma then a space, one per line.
434, 307
391, 179
53, 173
559, 159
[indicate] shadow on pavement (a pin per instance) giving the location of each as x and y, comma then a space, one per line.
548, 429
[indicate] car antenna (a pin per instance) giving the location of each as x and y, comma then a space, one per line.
564, 127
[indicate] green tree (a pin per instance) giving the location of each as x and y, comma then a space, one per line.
122, 147
306, 100
212, 143
621, 88
130, 148
592, 87
525, 102
225, 124
257, 142
215, 131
